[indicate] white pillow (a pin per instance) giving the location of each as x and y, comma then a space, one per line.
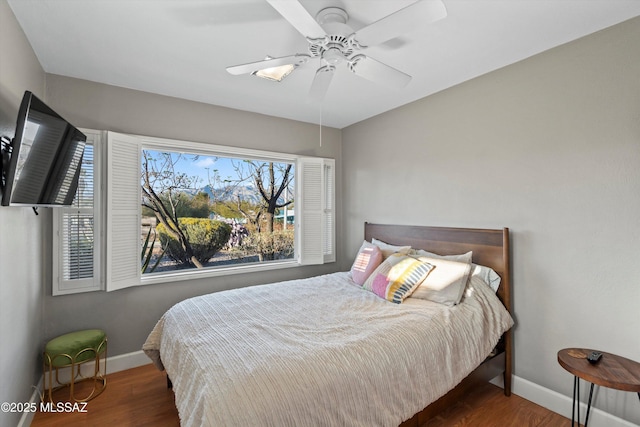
445, 284
459, 258
488, 275
388, 249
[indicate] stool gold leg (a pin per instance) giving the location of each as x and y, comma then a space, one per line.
72, 383
99, 380
46, 361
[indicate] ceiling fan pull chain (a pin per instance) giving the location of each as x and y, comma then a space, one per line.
321, 124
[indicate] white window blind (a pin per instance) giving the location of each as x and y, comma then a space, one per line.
76, 242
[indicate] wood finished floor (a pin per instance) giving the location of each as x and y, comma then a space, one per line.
139, 397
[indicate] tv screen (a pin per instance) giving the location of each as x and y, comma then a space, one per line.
46, 156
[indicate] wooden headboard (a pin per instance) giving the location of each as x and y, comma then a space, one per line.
490, 248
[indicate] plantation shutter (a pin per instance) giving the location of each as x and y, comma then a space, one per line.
123, 211
328, 174
315, 201
76, 241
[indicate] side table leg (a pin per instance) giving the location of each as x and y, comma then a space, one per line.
576, 401
586, 421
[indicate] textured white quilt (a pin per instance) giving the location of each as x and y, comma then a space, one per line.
319, 352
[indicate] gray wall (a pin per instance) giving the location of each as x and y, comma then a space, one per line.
22, 235
129, 315
549, 147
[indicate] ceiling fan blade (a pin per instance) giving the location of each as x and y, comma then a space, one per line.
401, 22
298, 16
321, 82
378, 72
296, 60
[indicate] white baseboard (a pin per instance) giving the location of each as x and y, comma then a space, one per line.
126, 361
561, 404
27, 417
115, 364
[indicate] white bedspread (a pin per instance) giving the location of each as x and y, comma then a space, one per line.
319, 352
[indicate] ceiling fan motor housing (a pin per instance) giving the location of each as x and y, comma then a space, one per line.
337, 45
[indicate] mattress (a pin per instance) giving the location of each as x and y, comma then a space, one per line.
319, 352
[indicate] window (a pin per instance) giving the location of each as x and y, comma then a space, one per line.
76, 229
155, 180
206, 211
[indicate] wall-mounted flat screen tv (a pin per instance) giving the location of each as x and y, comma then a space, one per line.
46, 155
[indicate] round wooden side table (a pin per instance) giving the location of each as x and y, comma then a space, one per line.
611, 371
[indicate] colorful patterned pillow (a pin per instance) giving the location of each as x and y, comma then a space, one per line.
368, 259
397, 277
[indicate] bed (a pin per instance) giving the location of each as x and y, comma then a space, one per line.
322, 351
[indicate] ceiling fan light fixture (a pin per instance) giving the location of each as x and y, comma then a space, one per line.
275, 73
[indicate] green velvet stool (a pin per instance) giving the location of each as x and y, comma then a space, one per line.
68, 353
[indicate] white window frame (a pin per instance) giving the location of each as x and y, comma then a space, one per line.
325, 223
60, 285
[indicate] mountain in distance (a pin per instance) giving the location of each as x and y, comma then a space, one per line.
246, 192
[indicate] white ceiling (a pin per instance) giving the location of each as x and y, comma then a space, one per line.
181, 48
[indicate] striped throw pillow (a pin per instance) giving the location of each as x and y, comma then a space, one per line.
397, 277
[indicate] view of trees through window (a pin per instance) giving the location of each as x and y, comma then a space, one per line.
202, 211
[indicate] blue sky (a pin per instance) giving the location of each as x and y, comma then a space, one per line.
202, 167
205, 168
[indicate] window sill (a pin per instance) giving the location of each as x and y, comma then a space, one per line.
164, 277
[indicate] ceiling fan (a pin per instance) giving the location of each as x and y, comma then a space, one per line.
335, 43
